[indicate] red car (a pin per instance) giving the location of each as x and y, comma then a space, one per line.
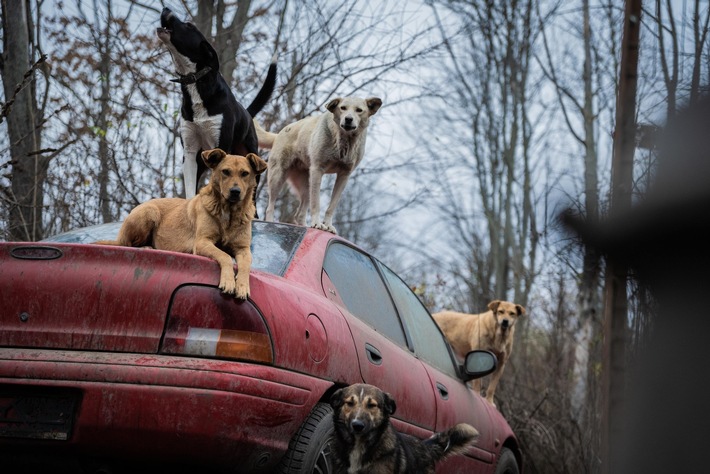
115, 357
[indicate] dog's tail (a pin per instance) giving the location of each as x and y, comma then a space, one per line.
266, 90
266, 139
456, 440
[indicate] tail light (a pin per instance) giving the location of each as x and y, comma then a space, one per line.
203, 322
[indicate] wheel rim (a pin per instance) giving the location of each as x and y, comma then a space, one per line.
324, 464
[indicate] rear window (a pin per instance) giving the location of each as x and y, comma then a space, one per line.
87, 235
272, 244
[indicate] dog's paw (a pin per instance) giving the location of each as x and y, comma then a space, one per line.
227, 286
323, 226
242, 292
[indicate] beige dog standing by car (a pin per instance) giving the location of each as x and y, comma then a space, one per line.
333, 142
492, 331
216, 223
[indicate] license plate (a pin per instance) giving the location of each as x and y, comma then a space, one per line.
43, 413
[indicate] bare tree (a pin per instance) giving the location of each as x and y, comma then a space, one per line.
581, 116
672, 49
112, 113
102, 122
211, 17
490, 81
616, 298
701, 26
25, 116
670, 68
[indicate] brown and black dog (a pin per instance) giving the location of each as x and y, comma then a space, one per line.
365, 441
492, 331
216, 223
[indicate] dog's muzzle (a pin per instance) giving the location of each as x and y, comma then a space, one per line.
347, 124
234, 195
357, 426
505, 324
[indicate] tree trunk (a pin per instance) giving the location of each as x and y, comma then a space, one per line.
588, 301
227, 38
103, 120
670, 73
616, 304
29, 168
700, 34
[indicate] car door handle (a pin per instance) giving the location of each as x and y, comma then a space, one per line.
373, 355
443, 391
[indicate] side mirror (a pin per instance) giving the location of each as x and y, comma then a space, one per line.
478, 364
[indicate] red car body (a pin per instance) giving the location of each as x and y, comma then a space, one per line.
132, 355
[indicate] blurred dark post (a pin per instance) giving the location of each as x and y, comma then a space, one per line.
616, 303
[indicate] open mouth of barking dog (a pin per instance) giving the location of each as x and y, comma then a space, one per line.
164, 33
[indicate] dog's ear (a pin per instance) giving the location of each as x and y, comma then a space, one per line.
521, 310
493, 305
374, 104
390, 405
257, 163
209, 53
213, 157
330, 106
336, 400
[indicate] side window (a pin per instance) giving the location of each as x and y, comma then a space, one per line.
362, 290
429, 343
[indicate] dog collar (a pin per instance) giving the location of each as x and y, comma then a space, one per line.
192, 77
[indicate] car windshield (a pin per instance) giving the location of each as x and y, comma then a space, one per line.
272, 244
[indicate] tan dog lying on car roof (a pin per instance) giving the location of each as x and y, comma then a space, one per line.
216, 223
492, 331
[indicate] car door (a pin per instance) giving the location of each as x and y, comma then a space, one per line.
351, 279
455, 402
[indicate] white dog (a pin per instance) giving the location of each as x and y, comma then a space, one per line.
304, 151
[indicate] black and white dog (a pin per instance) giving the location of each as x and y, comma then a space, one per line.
211, 115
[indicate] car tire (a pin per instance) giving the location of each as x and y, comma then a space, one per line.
507, 464
310, 449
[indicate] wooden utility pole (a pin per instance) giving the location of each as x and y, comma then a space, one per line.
616, 304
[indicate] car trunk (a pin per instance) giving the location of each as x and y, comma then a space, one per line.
91, 297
